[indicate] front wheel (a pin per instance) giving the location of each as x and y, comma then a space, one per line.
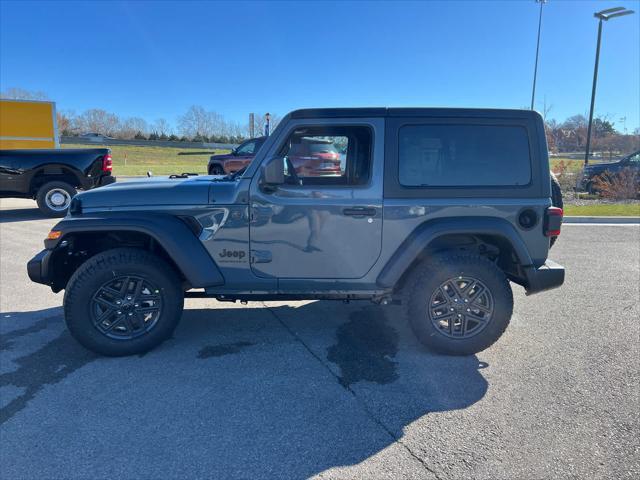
123, 301
458, 303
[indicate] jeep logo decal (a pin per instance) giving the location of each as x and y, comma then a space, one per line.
235, 254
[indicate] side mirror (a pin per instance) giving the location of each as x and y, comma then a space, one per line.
273, 172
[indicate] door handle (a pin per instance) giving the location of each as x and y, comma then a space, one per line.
360, 211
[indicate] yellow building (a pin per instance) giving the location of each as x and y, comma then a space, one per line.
28, 124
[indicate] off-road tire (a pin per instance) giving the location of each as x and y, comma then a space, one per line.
89, 278
556, 200
427, 278
44, 190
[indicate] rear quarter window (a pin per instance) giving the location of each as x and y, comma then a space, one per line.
463, 156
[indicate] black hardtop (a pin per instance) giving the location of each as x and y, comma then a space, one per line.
413, 112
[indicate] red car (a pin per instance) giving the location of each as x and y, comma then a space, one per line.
314, 157
239, 157
311, 157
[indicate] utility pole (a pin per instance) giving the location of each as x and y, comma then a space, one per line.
267, 117
602, 15
252, 126
535, 69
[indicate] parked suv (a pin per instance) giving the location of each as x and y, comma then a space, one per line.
440, 210
237, 159
586, 182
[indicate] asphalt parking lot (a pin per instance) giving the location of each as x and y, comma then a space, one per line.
325, 389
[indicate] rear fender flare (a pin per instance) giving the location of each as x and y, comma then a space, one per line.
52, 172
420, 239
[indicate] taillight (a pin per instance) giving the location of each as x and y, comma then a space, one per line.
107, 163
552, 221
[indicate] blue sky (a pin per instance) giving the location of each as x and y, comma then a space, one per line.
155, 59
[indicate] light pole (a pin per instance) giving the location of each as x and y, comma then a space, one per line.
267, 118
535, 69
602, 15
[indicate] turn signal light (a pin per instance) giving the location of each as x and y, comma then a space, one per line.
54, 235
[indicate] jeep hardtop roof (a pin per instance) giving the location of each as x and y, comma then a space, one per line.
411, 112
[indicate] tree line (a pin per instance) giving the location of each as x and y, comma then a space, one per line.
571, 136
198, 124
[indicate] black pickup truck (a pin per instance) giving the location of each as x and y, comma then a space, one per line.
52, 177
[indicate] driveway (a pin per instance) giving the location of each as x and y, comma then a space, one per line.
326, 389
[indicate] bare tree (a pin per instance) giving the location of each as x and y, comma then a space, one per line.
98, 121
64, 120
162, 127
546, 108
199, 122
194, 122
261, 122
130, 127
15, 93
574, 122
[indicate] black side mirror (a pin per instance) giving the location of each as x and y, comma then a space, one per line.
273, 172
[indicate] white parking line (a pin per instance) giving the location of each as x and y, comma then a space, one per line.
600, 225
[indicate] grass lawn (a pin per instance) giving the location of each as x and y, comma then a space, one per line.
136, 160
603, 209
573, 166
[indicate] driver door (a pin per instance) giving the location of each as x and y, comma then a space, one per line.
325, 221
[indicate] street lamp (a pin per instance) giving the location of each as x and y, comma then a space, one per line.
267, 118
535, 69
603, 15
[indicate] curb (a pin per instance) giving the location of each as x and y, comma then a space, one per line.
609, 220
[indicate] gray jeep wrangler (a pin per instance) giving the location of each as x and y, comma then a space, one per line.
436, 209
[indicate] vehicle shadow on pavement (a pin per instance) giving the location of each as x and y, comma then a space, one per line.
21, 215
236, 393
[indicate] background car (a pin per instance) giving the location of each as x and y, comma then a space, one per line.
590, 172
95, 137
315, 157
309, 156
237, 159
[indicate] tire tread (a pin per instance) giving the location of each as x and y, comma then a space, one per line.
415, 290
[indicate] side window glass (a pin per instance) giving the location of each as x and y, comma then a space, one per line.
247, 149
635, 159
328, 156
463, 155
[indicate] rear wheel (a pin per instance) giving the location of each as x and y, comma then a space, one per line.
556, 200
122, 302
54, 198
458, 304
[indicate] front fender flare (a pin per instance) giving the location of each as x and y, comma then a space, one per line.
184, 248
423, 235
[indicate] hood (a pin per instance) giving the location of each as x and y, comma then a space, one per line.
150, 191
